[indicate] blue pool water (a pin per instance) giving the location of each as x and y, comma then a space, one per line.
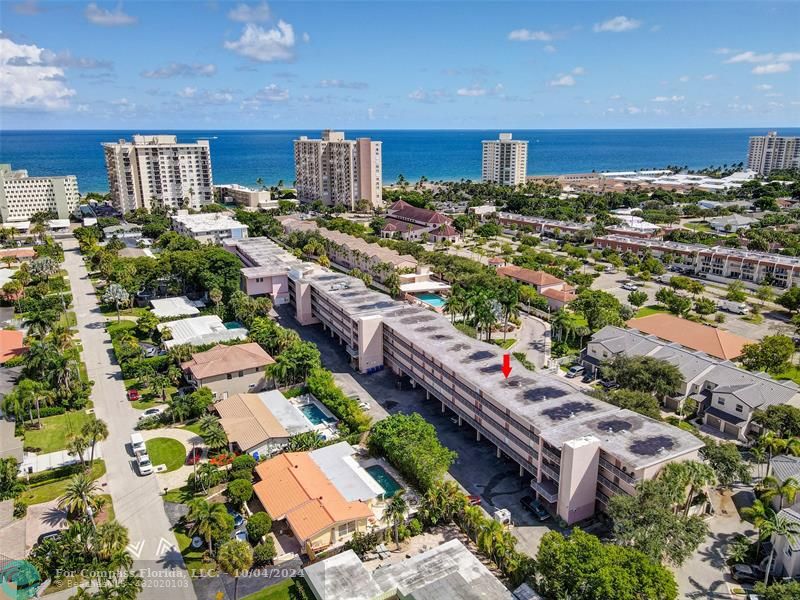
386, 481
433, 299
233, 325
313, 413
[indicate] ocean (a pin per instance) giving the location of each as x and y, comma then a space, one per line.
244, 156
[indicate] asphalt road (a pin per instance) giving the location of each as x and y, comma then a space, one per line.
136, 499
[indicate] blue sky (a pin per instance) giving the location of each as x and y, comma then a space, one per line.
385, 65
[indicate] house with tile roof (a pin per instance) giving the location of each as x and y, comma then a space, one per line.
412, 223
260, 424
783, 467
557, 291
787, 551
727, 395
713, 341
228, 370
323, 496
12, 343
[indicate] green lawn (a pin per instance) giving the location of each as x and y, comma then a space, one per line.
180, 495
115, 327
56, 430
166, 451
793, 373
108, 508
650, 309
700, 227
125, 312
192, 558
194, 428
505, 345
288, 589
50, 490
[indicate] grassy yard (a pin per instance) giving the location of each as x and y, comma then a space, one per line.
166, 451
699, 227
192, 558
194, 428
288, 589
52, 489
793, 373
56, 430
115, 327
505, 345
125, 312
650, 309
107, 513
180, 495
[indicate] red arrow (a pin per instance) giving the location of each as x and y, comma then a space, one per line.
506, 365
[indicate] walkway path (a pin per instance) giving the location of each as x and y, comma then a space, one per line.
177, 478
137, 503
533, 339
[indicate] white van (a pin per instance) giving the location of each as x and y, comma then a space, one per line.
143, 464
137, 444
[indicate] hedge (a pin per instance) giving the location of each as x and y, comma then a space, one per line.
322, 386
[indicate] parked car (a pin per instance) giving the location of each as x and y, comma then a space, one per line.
364, 405
747, 573
137, 444
151, 412
194, 456
588, 377
574, 371
630, 287
143, 464
608, 384
133, 395
50, 535
535, 508
474, 500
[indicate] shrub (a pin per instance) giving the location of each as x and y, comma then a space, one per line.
414, 527
322, 385
20, 508
242, 468
258, 526
239, 491
153, 422
264, 553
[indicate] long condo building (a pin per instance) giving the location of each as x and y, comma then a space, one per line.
575, 450
155, 171
22, 196
716, 263
771, 152
334, 170
505, 161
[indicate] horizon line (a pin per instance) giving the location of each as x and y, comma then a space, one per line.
766, 128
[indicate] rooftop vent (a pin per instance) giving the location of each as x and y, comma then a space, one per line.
614, 425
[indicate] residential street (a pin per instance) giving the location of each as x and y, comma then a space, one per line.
136, 499
533, 338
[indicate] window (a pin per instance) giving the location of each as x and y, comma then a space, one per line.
739, 408
347, 528
241, 373
229, 376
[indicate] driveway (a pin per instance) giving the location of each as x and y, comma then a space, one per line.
137, 503
42, 518
533, 339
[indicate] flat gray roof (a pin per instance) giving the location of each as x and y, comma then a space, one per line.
287, 414
263, 252
352, 481
342, 577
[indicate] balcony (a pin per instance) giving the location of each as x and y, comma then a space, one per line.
550, 471
550, 455
627, 477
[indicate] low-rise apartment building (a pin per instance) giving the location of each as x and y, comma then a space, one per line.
412, 223
576, 450
717, 263
208, 227
233, 193
22, 196
266, 265
556, 291
727, 396
549, 227
228, 370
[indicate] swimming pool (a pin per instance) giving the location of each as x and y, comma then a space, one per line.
386, 481
233, 325
314, 414
434, 300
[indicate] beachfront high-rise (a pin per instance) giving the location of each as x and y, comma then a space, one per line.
772, 152
338, 171
505, 161
22, 196
157, 171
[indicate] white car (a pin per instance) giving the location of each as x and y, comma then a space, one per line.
631, 287
137, 444
143, 464
151, 412
364, 405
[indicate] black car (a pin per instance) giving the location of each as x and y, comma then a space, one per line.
588, 377
747, 573
609, 385
535, 508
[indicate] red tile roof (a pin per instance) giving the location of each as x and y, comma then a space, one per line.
445, 231
536, 278
11, 344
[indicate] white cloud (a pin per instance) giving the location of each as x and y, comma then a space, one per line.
615, 97
472, 91
668, 99
618, 25
82, 108
562, 81
265, 45
428, 97
371, 114
206, 96
246, 13
28, 81
723, 51
764, 87
187, 92
549, 48
306, 37
526, 35
772, 68
579, 71
633, 110
181, 70
683, 78
272, 93
754, 57
709, 77
109, 18
344, 85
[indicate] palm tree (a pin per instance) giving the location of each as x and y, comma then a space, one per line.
110, 538
61, 337
771, 488
39, 322
780, 526
490, 537
757, 513
77, 445
235, 558
758, 456
206, 519
94, 431
207, 476
509, 301
698, 476
10, 485
80, 495
395, 514
117, 295
773, 444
